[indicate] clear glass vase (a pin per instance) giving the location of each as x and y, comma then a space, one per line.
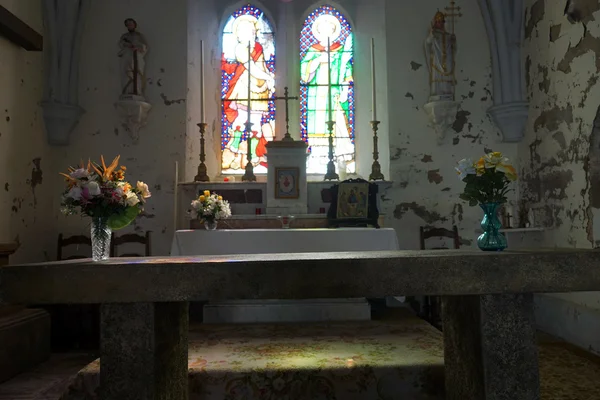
101, 234
210, 225
491, 239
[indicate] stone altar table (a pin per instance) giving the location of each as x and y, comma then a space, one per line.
490, 349
269, 241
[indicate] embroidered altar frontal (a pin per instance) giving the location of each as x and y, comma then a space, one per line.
342, 361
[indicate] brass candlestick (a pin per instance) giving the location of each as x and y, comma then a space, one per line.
201, 176
376, 174
249, 174
331, 175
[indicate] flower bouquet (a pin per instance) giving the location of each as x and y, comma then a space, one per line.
486, 184
209, 208
101, 192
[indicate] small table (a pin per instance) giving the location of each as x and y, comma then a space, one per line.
272, 241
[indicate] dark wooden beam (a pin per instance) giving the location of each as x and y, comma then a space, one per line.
18, 32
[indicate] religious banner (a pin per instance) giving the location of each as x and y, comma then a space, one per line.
248, 88
327, 88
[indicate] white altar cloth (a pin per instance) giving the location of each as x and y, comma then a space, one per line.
265, 241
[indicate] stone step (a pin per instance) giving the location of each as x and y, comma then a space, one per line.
268, 311
24, 341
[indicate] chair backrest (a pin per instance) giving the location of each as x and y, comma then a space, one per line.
69, 241
117, 241
431, 232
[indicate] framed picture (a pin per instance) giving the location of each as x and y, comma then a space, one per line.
353, 203
286, 183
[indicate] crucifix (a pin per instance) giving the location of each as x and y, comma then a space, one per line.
18, 32
452, 12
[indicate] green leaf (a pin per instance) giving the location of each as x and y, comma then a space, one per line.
121, 220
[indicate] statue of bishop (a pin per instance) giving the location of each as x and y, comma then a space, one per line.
133, 48
440, 49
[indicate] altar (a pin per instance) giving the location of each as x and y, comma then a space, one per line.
282, 241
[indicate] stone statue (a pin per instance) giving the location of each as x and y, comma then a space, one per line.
133, 49
440, 49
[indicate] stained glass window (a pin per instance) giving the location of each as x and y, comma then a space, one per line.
327, 88
248, 45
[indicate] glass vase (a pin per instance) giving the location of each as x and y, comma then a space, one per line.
210, 225
491, 239
101, 235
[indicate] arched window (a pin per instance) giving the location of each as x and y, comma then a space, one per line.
248, 45
327, 88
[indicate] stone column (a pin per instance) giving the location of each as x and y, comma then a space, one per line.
144, 351
490, 348
504, 23
63, 30
24, 333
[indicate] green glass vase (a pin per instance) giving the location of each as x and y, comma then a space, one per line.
491, 239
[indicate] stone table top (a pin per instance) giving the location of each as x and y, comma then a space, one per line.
300, 276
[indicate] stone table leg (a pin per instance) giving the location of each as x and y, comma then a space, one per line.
144, 351
490, 348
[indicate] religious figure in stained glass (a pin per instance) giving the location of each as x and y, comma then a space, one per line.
326, 69
248, 46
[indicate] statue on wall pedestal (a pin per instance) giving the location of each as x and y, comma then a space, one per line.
132, 106
133, 49
440, 50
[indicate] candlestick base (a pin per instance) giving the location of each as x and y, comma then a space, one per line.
201, 175
249, 174
376, 174
331, 175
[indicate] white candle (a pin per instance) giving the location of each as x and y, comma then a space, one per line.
373, 79
249, 67
329, 74
175, 197
202, 111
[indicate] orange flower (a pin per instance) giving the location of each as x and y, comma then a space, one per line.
107, 172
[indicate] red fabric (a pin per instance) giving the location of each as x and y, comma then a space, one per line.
319, 47
238, 70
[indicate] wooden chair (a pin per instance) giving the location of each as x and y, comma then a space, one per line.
69, 241
431, 232
117, 241
432, 304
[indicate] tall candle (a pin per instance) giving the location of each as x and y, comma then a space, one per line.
249, 75
202, 111
373, 79
329, 75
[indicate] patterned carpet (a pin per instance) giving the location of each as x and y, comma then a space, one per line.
378, 360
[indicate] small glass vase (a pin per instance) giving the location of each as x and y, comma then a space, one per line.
491, 239
101, 235
210, 225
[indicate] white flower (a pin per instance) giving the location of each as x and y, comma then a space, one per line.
465, 167
93, 188
132, 199
79, 173
143, 188
74, 193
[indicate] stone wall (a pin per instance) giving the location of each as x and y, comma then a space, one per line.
100, 132
426, 188
560, 150
25, 193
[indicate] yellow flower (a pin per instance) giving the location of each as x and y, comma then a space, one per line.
480, 166
207, 193
202, 198
220, 198
508, 170
106, 172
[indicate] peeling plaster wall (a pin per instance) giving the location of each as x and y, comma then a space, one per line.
162, 141
557, 167
25, 194
426, 188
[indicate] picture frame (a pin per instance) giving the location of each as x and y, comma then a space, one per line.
287, 184
353, 204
